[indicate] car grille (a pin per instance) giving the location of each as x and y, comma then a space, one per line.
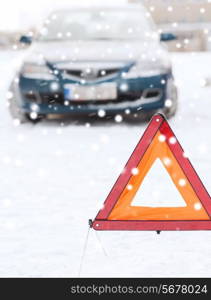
89, 74
90, 70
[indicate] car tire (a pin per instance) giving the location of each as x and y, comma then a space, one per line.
15, 111
171, 111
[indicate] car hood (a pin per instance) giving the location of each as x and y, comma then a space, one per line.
93, 50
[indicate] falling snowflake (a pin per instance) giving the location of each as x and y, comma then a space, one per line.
197, 206
34, 107
172, 140
9, 95
182, 182
54, 86
101, 113
123, 87
118, 118
33, 115
168, 103
135, 171
167, 161
161, 138
129, 187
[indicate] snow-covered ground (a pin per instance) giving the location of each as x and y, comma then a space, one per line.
54, 177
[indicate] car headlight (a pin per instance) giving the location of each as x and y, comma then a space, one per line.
148, 68
36, 71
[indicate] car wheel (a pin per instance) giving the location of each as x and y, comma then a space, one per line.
170, 110
15, 111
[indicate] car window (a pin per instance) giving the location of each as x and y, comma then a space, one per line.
97, 25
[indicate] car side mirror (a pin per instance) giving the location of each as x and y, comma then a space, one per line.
25, 39
166, 37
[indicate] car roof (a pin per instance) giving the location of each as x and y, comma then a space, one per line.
107, 3
101, 5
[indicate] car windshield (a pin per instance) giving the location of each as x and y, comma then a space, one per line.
97, 24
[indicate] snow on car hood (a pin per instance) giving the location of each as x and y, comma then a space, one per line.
93, 50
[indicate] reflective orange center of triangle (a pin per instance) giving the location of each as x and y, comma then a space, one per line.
123, 210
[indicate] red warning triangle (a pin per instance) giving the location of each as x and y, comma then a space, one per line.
157, 142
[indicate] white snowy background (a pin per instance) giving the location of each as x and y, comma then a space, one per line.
55, 175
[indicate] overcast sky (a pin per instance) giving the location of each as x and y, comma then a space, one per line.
21, 14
